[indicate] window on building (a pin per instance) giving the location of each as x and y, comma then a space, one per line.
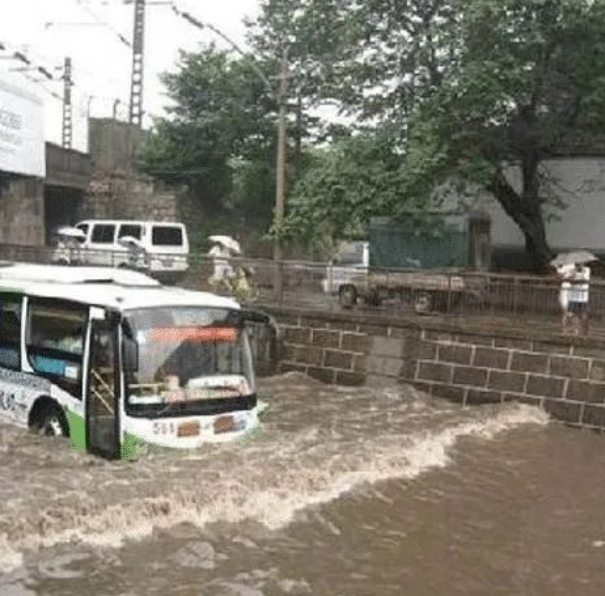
10, 331
103, 233
167, 236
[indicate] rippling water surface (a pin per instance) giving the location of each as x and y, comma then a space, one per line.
357, 492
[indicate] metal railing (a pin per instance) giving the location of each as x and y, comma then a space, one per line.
323, 287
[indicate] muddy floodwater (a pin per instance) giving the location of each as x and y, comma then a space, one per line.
341, 492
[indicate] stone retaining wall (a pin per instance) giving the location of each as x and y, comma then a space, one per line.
461, 363
118, 195
22, 211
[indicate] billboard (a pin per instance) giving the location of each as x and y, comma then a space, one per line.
21, 132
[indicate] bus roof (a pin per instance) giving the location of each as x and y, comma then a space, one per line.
120, 289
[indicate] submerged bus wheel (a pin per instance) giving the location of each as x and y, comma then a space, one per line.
48, 419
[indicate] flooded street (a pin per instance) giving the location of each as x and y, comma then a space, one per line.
353, 492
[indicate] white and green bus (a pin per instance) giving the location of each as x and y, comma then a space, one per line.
114, 360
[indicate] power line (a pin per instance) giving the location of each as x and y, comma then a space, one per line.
30, 65
42, 86
199, 24
101, 21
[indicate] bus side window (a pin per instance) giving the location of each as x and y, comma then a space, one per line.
10, 332
55, 342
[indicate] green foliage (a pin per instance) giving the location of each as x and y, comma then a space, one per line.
344, 186
221, 119
521, 97
446, 97
467, 89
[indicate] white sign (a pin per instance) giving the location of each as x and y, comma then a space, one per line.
22, 146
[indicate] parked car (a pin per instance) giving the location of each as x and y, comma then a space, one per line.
158, 248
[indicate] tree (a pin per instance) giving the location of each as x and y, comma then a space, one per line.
374, 59
528, 81
221, 120
345, 184
474, 87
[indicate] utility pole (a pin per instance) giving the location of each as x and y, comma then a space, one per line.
280, 181
67, 105
281, 97
138, 64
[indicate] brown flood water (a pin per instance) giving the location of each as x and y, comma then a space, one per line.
342, 492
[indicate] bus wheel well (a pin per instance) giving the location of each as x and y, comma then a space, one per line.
42, 408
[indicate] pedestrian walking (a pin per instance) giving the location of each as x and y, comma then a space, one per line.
574, 272
578, 297
565, 272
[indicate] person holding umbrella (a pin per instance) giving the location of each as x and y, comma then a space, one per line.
224, 247
575, 272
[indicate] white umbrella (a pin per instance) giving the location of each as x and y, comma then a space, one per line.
130, 242
228, 242
571, 258
68, 232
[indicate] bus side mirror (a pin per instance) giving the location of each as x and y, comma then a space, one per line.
266, 340
130, 355
254, 316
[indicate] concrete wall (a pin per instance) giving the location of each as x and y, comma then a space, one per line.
21, 211
116, 190
66, 168
117, 196
565, 376
578, 183
113, 144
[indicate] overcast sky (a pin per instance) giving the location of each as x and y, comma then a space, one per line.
48, 30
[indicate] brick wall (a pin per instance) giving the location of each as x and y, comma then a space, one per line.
566, 379
565, 376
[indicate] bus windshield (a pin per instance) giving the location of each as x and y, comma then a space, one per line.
191, 361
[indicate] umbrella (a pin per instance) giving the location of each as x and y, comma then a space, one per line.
227, 242
130, 242
571, 258
68, 232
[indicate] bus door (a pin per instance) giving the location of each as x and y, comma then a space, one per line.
102, 394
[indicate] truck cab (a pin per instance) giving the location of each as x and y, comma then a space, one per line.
351, 259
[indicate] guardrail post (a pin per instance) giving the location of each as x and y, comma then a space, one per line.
516, 297
278, 281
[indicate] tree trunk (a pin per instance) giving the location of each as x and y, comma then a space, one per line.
525, 210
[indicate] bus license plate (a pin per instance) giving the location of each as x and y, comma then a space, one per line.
188, 429
224, 424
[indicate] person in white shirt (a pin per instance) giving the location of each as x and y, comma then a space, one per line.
565, 272
579, 293
222, 269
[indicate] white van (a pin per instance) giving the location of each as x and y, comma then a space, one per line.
159, 248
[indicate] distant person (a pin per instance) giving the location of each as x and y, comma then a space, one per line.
241, 284
565, 273
578, 296
222, 270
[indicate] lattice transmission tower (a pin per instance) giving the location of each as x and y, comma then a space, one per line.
138, 64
